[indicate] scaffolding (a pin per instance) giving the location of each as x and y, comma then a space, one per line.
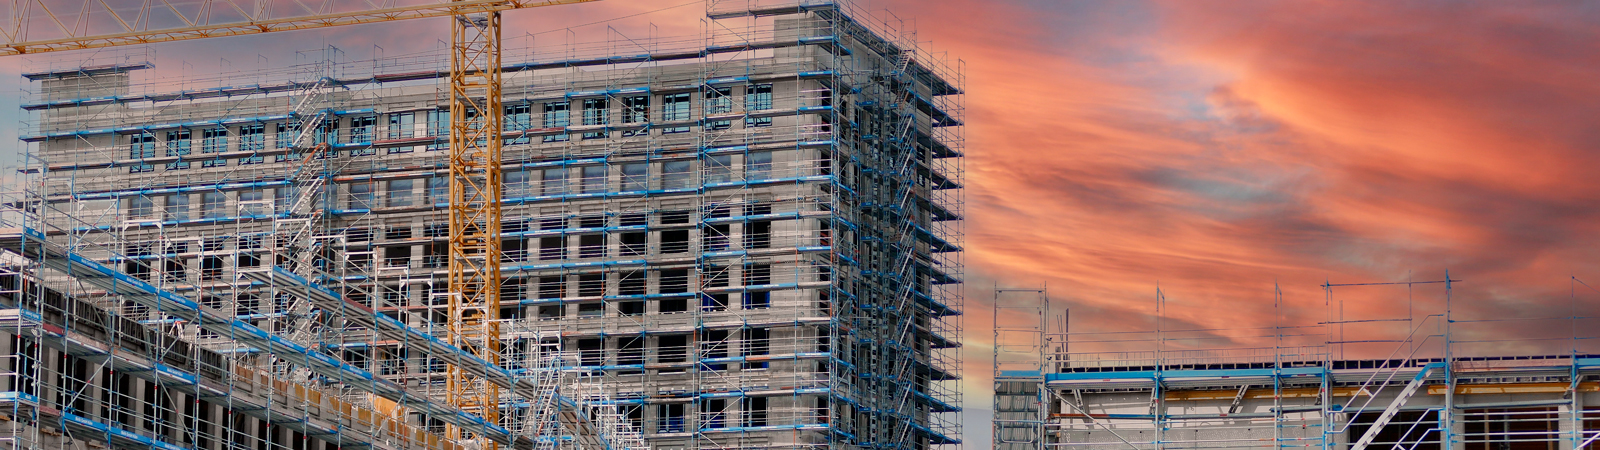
1434, 381
1021, 325
743, 238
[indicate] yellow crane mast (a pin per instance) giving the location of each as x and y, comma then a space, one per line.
475, 116
475, 126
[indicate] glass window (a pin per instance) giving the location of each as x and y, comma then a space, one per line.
557, 115
438, 189
719, 168
516, 184
677, 174
213, 204
594, 179
635, 176
757, 165
329, 132
250, 203
757, 97
362, 128
636, 109
669, 418
141, 207
178, 207
142, 146
178, 143
214, 140
362, 131
439, 125
284, 138
361, 196
439, 122
675, 107
252, 138
555, 181
400, 192
718, 101
596, 111
402, 125
519, 117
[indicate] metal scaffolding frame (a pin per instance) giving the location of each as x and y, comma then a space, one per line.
1436, 381
745, 238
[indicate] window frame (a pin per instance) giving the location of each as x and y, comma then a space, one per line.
635, 176
718, 100
213, 204
757, 97
362, 193
676, 108
252, 138
398, 193
557, 115
141, 207
142, 145
592, 179
596, 112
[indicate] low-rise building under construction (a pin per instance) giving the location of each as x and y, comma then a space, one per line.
1431, 382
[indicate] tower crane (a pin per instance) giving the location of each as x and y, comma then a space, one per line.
475, 123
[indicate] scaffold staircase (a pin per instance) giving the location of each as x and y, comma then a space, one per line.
546, 373
577, 418
1400, 399
300, 216
613, 426
574, 403
905, 271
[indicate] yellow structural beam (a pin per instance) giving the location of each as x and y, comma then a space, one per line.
1515, 388
72, 27
475, 156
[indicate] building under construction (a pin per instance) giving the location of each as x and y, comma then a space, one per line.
1435, 382
747, 238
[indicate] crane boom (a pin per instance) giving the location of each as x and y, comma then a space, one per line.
205, 19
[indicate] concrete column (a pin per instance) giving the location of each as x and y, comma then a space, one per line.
1571, 430
1457, 428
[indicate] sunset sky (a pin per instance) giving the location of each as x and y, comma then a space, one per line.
1216, 148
